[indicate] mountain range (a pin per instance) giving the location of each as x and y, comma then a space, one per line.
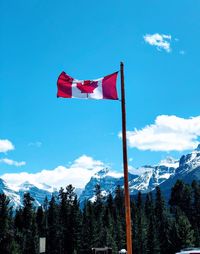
165, 174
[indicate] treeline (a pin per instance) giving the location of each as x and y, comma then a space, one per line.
157, 226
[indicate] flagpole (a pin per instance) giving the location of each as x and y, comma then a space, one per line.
125, 162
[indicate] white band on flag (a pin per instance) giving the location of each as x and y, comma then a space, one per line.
96, 94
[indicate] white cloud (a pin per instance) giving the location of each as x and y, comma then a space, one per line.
12, 162
5, 146
160, 41
168, 133
77, 174
87, 162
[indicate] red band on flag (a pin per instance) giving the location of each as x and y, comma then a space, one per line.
109, 86
64, 85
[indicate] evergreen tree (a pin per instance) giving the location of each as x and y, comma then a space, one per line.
18, 227
184, 234
195, 221
110, 205
119, 218
34, 237
45, 209
30, 236
67, 199
53, 230
119, 201
40, 221
63, 220
134, 227
109, 224
152, 243
140, 226
181, 198
99, 232
76, 223
88, 228
70, 230
72, 217
162, 223
6, 230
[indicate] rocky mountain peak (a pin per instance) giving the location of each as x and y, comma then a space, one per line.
102, 173
163, 174
198, 148
169, 162
26, 185
2, 184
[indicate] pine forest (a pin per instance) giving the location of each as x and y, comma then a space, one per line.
158, 226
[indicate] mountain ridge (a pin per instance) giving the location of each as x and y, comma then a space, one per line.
165, 174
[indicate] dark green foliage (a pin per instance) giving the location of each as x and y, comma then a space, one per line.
109, 224
40, 221
181, 198
75, 225
162, 223
156, 228
152, 243
88, 228
134, 232
119, 218
140, 228
183, 232
70, 221
53, 230
18, 226
99, 228
7, 241
195, 221
29, 231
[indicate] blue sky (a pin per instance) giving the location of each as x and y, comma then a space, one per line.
158, 41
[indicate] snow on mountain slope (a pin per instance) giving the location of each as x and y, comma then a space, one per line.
107, 180
164, 174
12, 194
38, 191
190, 161
38, 194
152, 177
147, 181
169, 162
188, 170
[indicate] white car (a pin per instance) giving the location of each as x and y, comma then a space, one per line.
190, 251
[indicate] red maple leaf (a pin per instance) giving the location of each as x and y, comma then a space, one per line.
88, 86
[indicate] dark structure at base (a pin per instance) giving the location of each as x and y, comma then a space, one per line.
105, 250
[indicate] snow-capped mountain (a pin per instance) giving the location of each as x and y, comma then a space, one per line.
38, 194
188, 170
108, 182
165, 174
16, 193
38, 191
152, 176
12, 194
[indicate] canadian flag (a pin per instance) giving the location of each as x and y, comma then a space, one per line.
102, 88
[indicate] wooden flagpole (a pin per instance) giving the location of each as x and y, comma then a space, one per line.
125, 162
